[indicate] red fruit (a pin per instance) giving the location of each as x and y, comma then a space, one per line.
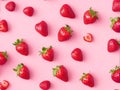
45, 85
113, 45
90, 16
10, 6
22, 71
88, 37
115, 24
3, 57
21, 47
42, 28
66, 11
87, 79
61, 73
116, 5
47, 53
3, 26
115, 74
77, 54
1, 87
64, 33
5, 84
28, 11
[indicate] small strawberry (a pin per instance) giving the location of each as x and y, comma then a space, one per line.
3, 57
66, 11
45, 85
116, 5
21, 47
115, 74
10, 6
88, 37
113, 45
115, 24
90, 16
5, 84
3, 26
47, 53
28, 11
22, 71
64, 33
61, 73
77, 54
42, 28
87, 79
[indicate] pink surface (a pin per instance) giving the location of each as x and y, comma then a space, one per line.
97, 60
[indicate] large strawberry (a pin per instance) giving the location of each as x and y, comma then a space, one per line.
116, 5
61, 73
90, 16
115, 24
115, 74
47, 53
64, 33
87, 79
66, 11
3, 57
42, 28
22, 71
113, 45
3, 26
21, 47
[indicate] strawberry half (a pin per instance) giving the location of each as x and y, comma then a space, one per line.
3, 57
88, 37
45, 85
5, 84
116, 5
3, 26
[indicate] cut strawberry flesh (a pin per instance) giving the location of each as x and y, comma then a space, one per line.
88, 37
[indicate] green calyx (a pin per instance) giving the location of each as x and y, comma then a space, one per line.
5, 54
55, 70
115, 69
113, 21
83, 76
44, 50
67, 27
18, 41
93, 13
18, 68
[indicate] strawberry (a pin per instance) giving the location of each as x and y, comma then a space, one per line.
66, 11
115, 74
87, 79
115, 24
21, 47
45, 85
1, 87
61, 73
77, 54
47, 53
3, 57
88, 37
64, 33
5, 84
116, 5
3, 26
28, 11
22, 71
113, 45
10, 6
42, 28
90, 16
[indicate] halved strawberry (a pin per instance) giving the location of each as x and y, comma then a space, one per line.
88, 37
5, 84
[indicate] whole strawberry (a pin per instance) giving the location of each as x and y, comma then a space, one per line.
64, 33
45, 85
28, 11
66, 11
61, 73
3, 26
22, 71
87, 79
47, 53
115, 74
3, 57
115, 24
116, 5
113, 45
90, 16
10, 6
21, 47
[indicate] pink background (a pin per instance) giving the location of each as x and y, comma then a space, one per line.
97, 60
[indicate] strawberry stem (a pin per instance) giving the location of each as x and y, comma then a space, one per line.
68, 28
5, 54
55, 70
113, 21
44, 50
113, 70
93, 13
83, 76
17, 69
18, 41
